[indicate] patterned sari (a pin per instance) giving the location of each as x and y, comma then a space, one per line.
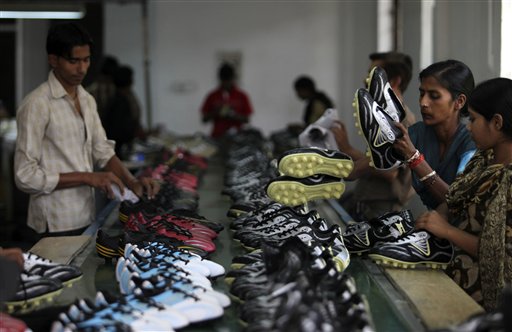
482, 198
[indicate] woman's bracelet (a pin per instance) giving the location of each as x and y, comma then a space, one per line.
414, 156
428, 176
415, 162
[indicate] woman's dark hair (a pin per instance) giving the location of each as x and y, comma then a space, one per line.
454, 76
492, 97
305, 82
64, 36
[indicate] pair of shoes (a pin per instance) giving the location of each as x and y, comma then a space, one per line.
376, 108
362, 236
392, 241
309, 174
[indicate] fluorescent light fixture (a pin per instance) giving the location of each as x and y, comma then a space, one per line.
39, 11
42, 15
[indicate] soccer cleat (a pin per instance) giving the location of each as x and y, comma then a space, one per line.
361, 236
304, 162
381, 91
378, 130
154, 250
32, 292
35, 265
417, 249
291, 191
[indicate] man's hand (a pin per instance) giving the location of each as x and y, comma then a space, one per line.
13, 254
104, 181
144, 184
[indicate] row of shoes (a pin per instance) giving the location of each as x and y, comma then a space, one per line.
162, 288
247, 161
277, 223
297, 286
292, 277
163, 275
41, 281
171, 216
391, 240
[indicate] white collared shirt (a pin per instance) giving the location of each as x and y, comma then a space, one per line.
54, 138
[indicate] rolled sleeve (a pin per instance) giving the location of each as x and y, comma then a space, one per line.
30, 177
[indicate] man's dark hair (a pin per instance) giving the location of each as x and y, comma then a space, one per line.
395, 64
226, 72
123, 77
109, 65
304, 82
64, 36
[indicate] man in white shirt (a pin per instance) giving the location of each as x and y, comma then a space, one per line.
61, 140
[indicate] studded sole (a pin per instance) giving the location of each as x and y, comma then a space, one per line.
293, 193
355, 104
237, 266
31, 304
301, 165
386, 261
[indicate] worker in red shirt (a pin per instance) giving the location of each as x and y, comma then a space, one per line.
227, 106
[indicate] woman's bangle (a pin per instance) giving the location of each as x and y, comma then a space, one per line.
414, 156
428, 176
413, 164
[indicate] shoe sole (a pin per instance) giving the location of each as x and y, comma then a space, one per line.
26, 306
293, 193
301, 165
359, 126
229, 280
237, 266
387, 261
340, 264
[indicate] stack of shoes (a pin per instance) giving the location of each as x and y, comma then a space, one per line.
248, 170
376, 110
162, 287
296, 286
309, 174
41, 281
278, 223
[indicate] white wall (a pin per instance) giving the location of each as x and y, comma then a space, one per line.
33, 68
278, 41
